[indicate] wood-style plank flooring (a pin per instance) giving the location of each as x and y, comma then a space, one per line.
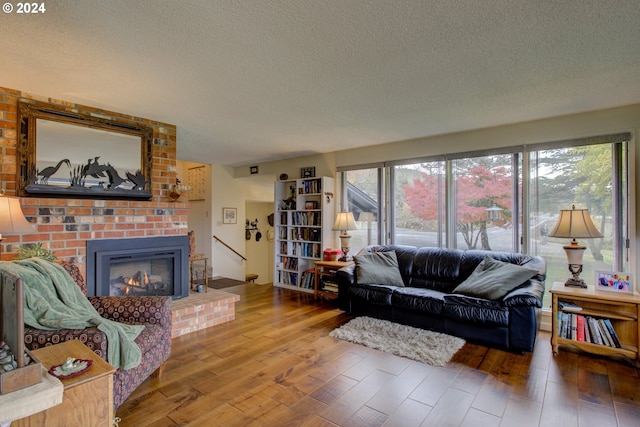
275, 365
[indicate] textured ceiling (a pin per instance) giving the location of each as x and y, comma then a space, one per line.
248, 81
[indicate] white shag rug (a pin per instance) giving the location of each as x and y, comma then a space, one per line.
422, 345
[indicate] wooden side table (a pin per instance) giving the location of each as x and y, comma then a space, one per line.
622, 310
88, 398
324, 277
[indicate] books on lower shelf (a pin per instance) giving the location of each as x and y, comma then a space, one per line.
588, 329
308, 278
329, 286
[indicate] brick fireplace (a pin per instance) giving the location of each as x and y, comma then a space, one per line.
65, 225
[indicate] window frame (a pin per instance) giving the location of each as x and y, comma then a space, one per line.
521, 164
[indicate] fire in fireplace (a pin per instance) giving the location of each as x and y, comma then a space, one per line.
142, 266
142, 274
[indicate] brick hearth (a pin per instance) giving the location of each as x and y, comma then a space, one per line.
202, 310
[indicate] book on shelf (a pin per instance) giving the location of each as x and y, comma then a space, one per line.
308, 279
606, 338
562, 324
330, 287
579, 328
569, 306
594, 330
587, 332
612, 332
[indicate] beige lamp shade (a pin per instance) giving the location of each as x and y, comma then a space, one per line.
12, 219
575, 223
345, 221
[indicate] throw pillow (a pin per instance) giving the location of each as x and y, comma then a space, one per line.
380, 268
494, 279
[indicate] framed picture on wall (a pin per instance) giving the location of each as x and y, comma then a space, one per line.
229, 215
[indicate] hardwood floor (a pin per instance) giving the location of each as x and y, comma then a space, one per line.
275, 365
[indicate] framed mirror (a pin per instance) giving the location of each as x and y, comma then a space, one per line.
67, 154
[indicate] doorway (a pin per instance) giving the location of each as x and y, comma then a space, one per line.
259, 241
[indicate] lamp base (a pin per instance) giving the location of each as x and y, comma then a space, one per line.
575, 283
346, 257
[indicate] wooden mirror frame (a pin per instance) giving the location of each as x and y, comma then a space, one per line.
26, 174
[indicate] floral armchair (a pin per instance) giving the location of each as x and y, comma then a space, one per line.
154, 341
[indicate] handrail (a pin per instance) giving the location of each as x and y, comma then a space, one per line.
229, 247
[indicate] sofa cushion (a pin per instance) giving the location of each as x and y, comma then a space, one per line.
475, 310
473, 257
404, 253
418, 299
494, 279
378, 268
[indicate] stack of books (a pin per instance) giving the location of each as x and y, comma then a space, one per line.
575, 326
329, 286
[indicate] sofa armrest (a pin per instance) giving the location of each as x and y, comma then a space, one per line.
92, 337
155, 310
345, 277
530, 295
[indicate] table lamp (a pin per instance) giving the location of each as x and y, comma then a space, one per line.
575, 223
12, 220
345, 222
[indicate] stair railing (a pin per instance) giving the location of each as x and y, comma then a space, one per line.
229, 247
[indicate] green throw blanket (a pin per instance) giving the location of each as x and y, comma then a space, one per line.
53, 301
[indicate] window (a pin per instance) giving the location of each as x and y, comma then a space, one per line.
419, 204
363, 190
501, 200
481, 195
484, 202
592, 177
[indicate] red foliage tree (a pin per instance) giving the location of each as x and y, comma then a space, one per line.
477, 190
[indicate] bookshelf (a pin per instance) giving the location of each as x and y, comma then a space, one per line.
620, 310
303, 220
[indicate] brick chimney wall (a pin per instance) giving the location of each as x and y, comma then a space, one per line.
65, 225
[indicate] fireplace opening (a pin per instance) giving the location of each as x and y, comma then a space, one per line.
142, 274
142, 266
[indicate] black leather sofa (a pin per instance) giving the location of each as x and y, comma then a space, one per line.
427, 300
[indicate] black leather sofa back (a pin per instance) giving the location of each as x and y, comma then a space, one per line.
444, 269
